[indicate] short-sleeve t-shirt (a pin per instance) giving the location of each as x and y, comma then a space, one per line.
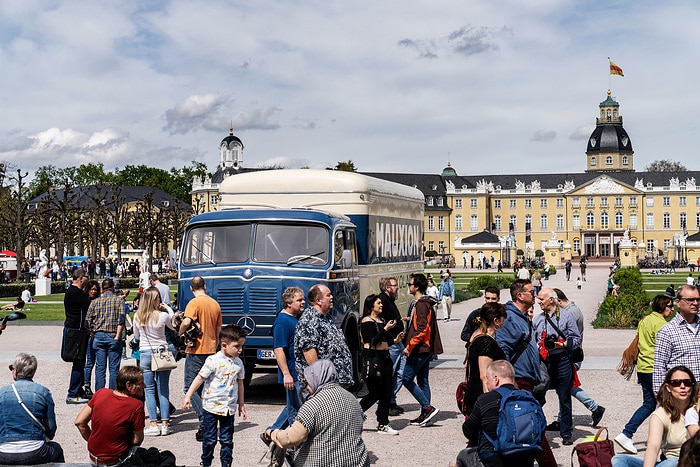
208, 313
221, 375
283, 337
114, 421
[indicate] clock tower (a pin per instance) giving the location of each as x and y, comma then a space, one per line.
609, 146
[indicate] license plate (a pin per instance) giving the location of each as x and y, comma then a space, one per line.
265, 354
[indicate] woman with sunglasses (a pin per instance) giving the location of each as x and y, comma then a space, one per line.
667, 431
662, 308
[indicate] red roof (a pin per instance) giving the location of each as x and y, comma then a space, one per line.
8, 253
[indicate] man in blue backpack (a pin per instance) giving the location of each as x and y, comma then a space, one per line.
502, 433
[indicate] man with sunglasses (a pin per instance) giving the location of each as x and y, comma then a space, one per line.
517, 340
677, 343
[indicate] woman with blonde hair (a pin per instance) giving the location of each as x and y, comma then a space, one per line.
149, 327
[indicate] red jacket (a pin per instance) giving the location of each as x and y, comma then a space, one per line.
423, 335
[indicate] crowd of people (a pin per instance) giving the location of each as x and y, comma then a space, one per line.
509, 346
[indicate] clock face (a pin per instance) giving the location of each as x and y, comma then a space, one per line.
593, 141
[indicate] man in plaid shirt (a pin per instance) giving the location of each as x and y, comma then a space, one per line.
105, 319
678, 342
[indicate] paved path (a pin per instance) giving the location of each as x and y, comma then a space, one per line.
439, 444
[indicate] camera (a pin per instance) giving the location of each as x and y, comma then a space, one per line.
549, 341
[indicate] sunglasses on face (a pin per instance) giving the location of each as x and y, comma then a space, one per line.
676, 383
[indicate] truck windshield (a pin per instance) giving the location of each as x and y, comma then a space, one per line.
291, 244
217, 244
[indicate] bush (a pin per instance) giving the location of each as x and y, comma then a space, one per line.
430, 254
629, 307
477, 284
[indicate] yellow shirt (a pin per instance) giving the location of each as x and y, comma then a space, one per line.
647, 329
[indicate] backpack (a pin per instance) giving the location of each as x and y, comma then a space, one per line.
521, 425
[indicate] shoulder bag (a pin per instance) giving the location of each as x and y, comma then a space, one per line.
576, 355
161, 358
21, 403
596, 453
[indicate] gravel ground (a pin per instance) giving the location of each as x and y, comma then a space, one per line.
432, 446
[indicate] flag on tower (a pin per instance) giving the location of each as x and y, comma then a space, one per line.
615, 70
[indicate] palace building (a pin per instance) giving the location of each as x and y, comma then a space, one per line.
503, 217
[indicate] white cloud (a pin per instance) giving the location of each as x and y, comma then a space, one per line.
390, 85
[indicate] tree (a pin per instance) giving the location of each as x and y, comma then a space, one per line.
346, 166
665, 165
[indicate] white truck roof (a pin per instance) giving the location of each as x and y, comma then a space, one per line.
326, 190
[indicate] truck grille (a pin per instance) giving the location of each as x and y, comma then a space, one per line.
259, 300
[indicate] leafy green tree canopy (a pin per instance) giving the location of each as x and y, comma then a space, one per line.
665, 165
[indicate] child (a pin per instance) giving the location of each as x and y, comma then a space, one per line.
578, 283
222, 375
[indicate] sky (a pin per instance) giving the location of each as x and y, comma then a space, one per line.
491, 86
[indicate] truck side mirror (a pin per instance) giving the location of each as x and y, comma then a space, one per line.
346, 259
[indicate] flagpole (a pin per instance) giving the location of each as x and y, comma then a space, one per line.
609, 75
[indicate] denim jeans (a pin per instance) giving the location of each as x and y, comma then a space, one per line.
289, 412
49, 452
560, 371
399, 362
89, 363
648, 405
108, 350
584, 398
625, 460
194, 363
418, 366
77, 374
209, 423
150, 378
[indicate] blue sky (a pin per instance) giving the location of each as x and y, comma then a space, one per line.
396, 86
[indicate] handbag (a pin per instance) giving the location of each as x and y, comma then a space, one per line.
74, 348
596, 453
372, 368
162, 359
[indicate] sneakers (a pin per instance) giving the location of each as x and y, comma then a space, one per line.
426, 417
429, 416
554, 426
447, 320
86, 392
77, 400
395, 410
165, 430
567, 441
597, 415
386, 430
152, 431
625, 443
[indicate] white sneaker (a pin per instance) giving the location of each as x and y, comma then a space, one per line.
165, 430
386, 430
625, 443
152, 431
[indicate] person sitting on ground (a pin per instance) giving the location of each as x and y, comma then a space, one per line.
484, 420
112, 422
329, 424
27, 295
28, 418
667, 431
18, 305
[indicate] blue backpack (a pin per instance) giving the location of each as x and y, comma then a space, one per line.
521, 425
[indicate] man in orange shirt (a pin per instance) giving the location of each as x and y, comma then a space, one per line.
207, 313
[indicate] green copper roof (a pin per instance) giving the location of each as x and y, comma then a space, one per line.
609, 102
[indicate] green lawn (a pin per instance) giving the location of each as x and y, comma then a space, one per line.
655, 284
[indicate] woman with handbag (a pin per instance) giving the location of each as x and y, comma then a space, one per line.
483, 349
662, 308
149, 328
667, 431
377, 365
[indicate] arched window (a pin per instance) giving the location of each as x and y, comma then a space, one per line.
619, 219
593, 161
590, 220
608, 160
604, 220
